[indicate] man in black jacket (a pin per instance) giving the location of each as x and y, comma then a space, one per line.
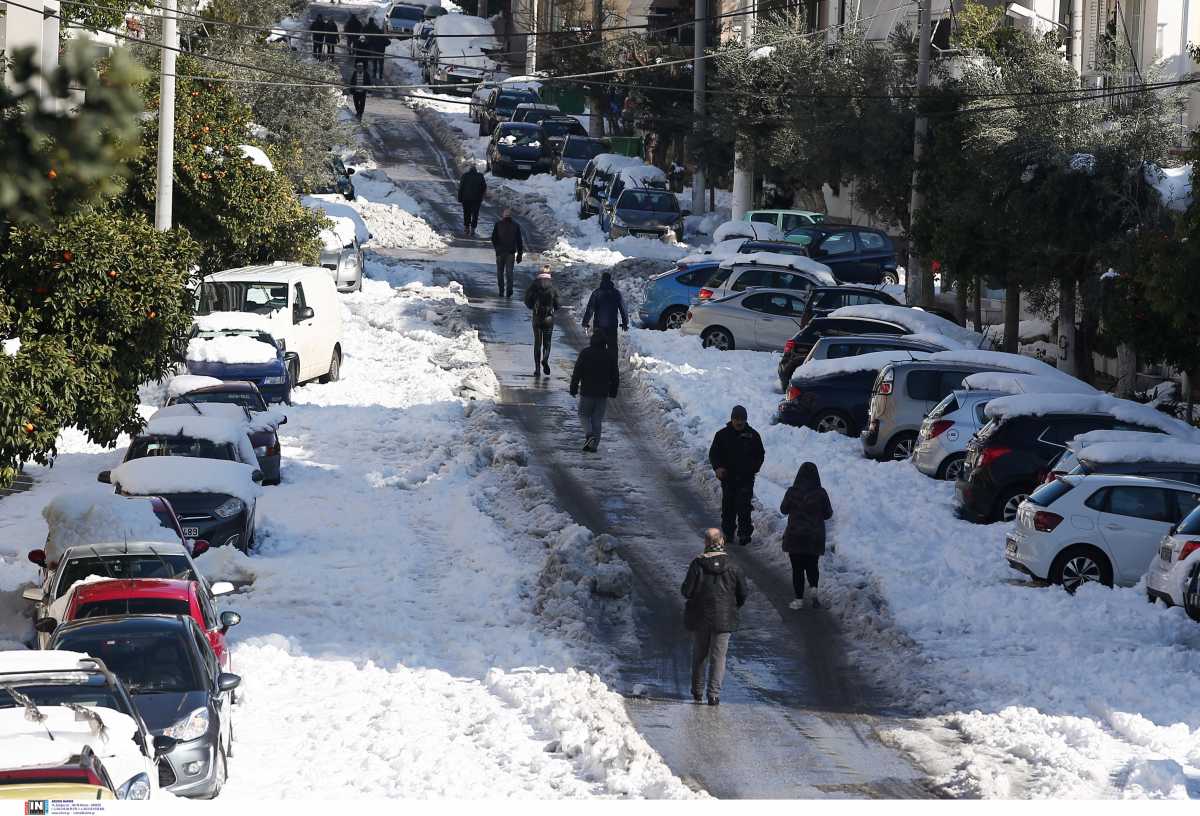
352, 29
541, 298
595, 378
472, 187
318, 35
331, 37
736, 455
715, 590
604, 306
508, 243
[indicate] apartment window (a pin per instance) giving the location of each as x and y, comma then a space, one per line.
1160, 38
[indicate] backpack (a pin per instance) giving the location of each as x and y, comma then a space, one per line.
543, 306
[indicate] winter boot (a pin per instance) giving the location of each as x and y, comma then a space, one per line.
714, 701
545, 367
815, 603
587, 445
796, 604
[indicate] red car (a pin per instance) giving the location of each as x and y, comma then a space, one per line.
155, 596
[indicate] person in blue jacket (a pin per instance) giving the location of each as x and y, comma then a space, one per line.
603, 308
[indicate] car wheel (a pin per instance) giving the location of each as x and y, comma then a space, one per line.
1010, 500
900, 446
222, 774
1081, 564
718, 339
1191, 594
673, 318
294, 372
834, 422
891, 277
335, 368
952, 467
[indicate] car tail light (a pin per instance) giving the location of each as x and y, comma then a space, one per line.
789, 346
705, 294
793, 393
1045, 521
1189, 547
991, 454
885, 384
689, 317
885, 388
940, 427
273, 450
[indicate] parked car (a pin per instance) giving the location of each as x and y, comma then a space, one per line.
755, 320
786, 220
501, 105
855, 254
517, 149
479, 98
418, 45
80, 777
301, 312
262, 362
343, 256
177, 686
765, 269
797, 350
1191, 594
264, 430
1010, 455
1116, 524
71, 703
825, 300
923, 322
576, 152
557, 128
533, 112
644, 213
941, 445
835, 346
669, 295
833, 395
592, 186
213, 435
460, 55
732, 247
432, 12
262, 427
402, 18
1132, 453
633, 177
154, 596
1175, 563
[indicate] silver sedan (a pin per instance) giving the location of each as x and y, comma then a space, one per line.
754, 320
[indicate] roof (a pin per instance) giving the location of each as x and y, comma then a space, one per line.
267, 273
110, 590
903, 341
1014, 362
755, 230
217, 429
612, 162
187, 383
1173, 452
642, 175
95, 515
916, 320
62, 735
222, 387
155, 475
463, 25
872, 361
1022, 405
536, 106
795, 212
253, 421
118, 624
126, 548
25, 660
797, 263
1007, 382
866, 290
518, 126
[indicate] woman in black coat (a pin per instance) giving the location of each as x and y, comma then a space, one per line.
806, 504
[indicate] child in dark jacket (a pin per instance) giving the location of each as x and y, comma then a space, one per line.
806, 504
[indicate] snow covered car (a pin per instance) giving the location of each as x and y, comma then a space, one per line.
459, 56
826, 300
501, 104
645, 214
1133, 453
941, 444
591, 189
251, 355
557, 128
1116, 523
479, 98
575, 154
262, 426
57, 705
177, 687
785, 220
402, 18
517, 149
82, 777
1173, 564
214, 498
533, 112
755, 320
767, 270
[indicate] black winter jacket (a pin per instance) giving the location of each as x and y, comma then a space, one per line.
715, 589
472, 186
542, 298
807, 509
741, 454
605, 304
596, 373
506, 237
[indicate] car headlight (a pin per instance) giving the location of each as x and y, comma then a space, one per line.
230, 507
260, 450
279, 380
136, 788
193, 726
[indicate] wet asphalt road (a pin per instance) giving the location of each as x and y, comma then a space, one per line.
794, 721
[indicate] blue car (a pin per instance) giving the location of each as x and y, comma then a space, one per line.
670, 293
271, 376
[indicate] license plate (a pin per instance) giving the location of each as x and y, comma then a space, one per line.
191, 532
523, 166
1165, 552
1010, 547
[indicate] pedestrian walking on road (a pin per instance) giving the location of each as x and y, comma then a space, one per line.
331, 37
736, 455
352, 30
807, 507
472, 188
603, 308
542, 299
372, 45
595, 380
360, 80
317, 32
509, 245
715, 590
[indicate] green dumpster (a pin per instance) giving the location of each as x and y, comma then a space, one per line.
628, 145
569, 100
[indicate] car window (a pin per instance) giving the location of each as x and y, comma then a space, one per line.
778, 304
206, 653
871, 242
831, 300
1135, 502
206, 611
840, 243
860, 300
750, 278
804, 237
298, 302
144, 446
146, 661
792, 220
1061, 431
790, 280
718, 278
950, 380
693, 277
1183, 503
979, 415
132, 606
763, 218
923, 385
757, 303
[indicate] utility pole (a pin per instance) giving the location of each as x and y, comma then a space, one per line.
531, 39
596, 121
166, 119
919, 283
699, 35
1075, 37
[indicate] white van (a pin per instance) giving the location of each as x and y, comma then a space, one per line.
297, 305
460, 54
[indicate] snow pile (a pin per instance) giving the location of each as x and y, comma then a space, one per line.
98, 516
872, 361
155, 475
916, 320
1015, 362
186, 383
62, 734
719, 251
1131, 446
252, 421
215, 429
11, 346
1174, 185
756, 230
231, 349
1124, 410
257, 156
643, 175
393, 226
1009, 383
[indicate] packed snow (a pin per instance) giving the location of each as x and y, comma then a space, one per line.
257, 156
1016, 362
1125, 410
97, 516
182, 384
1172, 451
1010, 383
155, 475
755, 230
230, 348
916, 320
817, 271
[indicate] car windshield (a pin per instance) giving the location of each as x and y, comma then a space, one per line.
147, 662
260, 336
1051, 492
763, 246
243, 296
582, 149
520, 137
170, 565
407, 13
51, 694
510, 99
250, 400
144, 446
648, 201
133, 606
563, 127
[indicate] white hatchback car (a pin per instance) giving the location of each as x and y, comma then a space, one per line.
1100, 528
1172, 564
755, 320
772, 270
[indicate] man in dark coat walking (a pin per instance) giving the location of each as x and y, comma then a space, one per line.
472, 187
604, 306
736, 455
509, 244
318, 35
595, 379
360, 80
542, 299
715, 590
331, 37
373, 46
807, 507
352, 30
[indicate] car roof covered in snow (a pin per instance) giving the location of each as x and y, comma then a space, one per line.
612, 162
1015, 362
19, 661
1173, 451
463, 25
266, 273
756, 230
253, 420
642, 175
1022, 405
95, 516
920, 322
1017, 383
187, 383
799, 263
218, 429
871, 361
131, 547
154, 475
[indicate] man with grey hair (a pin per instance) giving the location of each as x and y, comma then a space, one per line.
715, 589
508, 243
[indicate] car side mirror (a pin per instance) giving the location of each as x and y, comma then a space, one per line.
303, 314
199, 546
37, 557
163, 744
229, 619
221, 588
685, 213
283, 421
34, 594
349, 171
227, 681
257, 476
104, 477
46, 625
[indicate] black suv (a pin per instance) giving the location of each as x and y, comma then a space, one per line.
501, 105
854, 254
797, 349
832, 402
822, 300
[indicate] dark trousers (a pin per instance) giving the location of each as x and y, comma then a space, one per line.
708, 647
471, 214
736, 503
360, 103
504, 271
804, 566
377, 61
542, 335
331, 46
610, 339
317, 42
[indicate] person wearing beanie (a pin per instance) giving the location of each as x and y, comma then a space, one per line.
714, 589
807, 507
736, 456
595, 379
541, 298
604, 307
472, 188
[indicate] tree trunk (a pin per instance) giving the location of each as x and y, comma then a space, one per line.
960, 301
1066, 327
1126, 371
743, 181
978, 305
596, 120
807, 198
1012, 316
